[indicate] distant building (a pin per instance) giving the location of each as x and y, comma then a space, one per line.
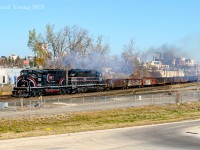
3, 57
172, 73
168, 58
13, 56
157, 64
180, 61
189, 62
9, 75
30, 58
157, 56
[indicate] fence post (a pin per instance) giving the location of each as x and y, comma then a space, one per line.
94, 104
105, 101
198, 95
70, 103
44, 105
135, 100
22, 103
58, 105
160, 97
116, 102
83, 101
30, 109
15, 103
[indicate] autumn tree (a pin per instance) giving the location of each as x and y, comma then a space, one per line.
99, 46
36, 43
65, 47
67, 43
129, 57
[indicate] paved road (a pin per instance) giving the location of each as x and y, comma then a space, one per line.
171, 136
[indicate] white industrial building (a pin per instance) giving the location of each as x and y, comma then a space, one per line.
9, 75
172, 73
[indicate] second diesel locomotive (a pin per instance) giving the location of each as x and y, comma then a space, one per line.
36, 82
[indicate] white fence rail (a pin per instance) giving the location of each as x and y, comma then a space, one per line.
30, 108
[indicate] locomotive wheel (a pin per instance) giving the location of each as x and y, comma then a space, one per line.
107, 89
34, 93
99, 89
74, 91
40, 93
78, 90
84, 89
62, 91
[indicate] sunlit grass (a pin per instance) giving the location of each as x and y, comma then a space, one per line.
106, 119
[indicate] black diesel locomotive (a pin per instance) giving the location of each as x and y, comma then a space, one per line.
48, 81
38, 82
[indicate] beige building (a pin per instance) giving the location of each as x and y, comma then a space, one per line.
157, 64
189, 62
172, 73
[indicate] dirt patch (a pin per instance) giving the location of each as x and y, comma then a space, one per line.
6, 88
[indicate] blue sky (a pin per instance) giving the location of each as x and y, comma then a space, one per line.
151, 23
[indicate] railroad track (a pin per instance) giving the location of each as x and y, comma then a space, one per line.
143, 90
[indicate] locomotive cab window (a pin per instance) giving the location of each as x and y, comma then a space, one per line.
99, 74
71, 74
24, 72
39, 75
33, 74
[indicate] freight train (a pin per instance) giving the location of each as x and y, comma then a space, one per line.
37, 82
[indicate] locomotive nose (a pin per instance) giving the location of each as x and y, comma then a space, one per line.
25, 77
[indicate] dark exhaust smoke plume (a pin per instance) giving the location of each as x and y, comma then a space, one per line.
167, 52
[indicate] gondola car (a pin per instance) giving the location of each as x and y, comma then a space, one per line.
192, 78
149, 81
169, 80
132, 82
116, 83
184, 79
177, 80
160, 81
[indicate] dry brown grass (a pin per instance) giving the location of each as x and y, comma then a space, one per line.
6, 88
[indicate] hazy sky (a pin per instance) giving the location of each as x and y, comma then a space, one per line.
151, 23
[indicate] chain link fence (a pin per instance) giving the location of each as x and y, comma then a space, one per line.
41, 107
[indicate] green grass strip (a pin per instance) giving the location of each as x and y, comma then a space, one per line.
97, 120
